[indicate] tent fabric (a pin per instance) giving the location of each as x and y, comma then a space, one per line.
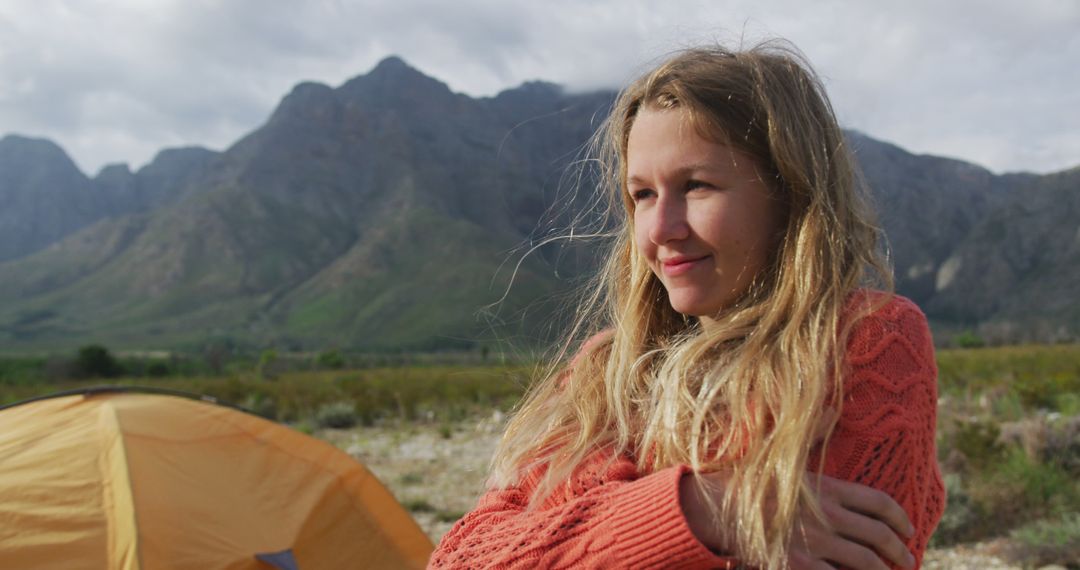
132, 481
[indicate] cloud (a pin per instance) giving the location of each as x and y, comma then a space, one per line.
115, 80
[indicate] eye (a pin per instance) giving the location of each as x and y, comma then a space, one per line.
693, 184
641, 194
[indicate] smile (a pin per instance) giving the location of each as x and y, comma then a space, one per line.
676, 266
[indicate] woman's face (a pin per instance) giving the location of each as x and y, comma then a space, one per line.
704, 220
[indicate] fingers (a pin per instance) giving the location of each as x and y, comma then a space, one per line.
873, 535
870, 502
853, 555
799, 560
868, 526
818, 548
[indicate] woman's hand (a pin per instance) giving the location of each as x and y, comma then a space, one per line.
866, 526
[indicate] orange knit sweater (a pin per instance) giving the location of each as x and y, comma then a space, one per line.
614, 516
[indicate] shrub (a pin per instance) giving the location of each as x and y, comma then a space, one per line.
448, 516
1043, 391
95, 361
1040, 489
269, 367
304, 427
960, 515
1047, 541
978, 441
337, 415
418, 506
330, 360
157, 369
260, 404
1063, 445
968, 339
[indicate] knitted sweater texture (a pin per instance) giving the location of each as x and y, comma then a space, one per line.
612, 515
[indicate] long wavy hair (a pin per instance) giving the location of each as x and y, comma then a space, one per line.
747, 396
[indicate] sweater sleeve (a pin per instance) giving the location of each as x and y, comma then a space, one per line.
885, 436
605, 517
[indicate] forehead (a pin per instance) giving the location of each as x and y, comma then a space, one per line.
669, 141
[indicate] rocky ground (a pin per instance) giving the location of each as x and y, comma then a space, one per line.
437, 472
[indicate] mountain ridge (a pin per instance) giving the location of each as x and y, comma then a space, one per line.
376, 215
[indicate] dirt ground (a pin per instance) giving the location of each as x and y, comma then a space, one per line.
438, 472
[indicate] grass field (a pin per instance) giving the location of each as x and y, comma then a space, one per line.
1008, 430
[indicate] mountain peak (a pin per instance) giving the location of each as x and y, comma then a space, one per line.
18, 152
40, 146
392, 63
393, 70
393, 81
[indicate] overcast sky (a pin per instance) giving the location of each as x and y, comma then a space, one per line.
996, 83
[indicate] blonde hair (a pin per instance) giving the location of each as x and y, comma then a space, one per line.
747, 395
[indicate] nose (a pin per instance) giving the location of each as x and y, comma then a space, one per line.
668, 221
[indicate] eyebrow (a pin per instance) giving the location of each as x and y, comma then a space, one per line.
696, 167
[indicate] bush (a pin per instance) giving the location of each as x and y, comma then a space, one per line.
1047, 542
269, 366
337, 415
261, 405
418, 506
978, 442
95, 361
158, 369
448, 516
330, 360
1041, 489
960, 514
968, 339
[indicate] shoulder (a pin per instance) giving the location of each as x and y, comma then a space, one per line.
882, 322
890, 371
586, 350
591, 344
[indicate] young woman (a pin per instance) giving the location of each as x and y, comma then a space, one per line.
741, 397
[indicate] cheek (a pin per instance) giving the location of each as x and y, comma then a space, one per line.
642, 243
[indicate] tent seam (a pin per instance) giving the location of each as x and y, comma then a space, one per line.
119, 435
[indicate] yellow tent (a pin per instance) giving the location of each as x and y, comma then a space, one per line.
118, 480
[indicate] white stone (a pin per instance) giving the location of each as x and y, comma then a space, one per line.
917, 271
947, 273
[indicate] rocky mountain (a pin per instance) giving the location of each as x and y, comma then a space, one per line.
1016, 275
44, 197
390, 213
997, 255
165, 180
374, 215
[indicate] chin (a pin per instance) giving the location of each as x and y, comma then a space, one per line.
697, 303
690, 309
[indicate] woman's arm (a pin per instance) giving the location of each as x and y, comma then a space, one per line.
885, 438
865, 529
607, 516
882, 490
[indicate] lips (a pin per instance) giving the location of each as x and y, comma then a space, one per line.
680, 264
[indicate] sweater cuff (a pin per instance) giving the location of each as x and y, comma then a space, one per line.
651, 530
